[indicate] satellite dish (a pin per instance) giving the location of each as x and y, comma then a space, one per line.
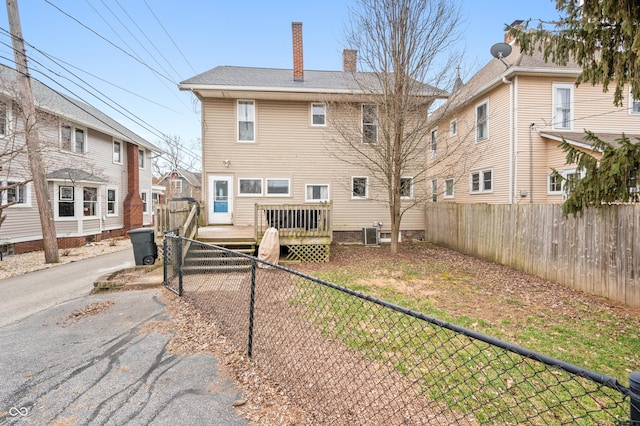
500, 50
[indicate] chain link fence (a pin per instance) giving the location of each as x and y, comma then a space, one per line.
353, 359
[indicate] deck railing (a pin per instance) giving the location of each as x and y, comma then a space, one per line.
294, 220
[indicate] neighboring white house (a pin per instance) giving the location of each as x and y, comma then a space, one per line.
98, 171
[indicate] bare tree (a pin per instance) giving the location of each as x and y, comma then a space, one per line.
404, 48
177, 155
27, 105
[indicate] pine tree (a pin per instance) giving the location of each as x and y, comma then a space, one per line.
613, 178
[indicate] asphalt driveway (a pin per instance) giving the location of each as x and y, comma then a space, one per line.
89, 360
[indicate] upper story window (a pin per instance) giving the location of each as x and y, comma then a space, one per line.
4, 119
175, 186
434, 142
563, 106
369, 123
73, 138
317, 193
406, 187
359, 187
117, 152
482, 121
318, 115
246, 121
141, 161
453, 127
481, 181
634, 104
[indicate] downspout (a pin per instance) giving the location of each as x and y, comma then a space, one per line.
531, 162
511, 106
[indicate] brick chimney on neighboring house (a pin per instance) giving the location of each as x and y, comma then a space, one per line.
298, 66
508, 38
132, 202
349, 60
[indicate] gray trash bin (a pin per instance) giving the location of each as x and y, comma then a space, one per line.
144, 245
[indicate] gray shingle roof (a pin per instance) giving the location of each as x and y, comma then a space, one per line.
276, 79
71, 109
75, 175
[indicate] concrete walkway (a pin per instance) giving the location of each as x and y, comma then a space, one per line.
68, 364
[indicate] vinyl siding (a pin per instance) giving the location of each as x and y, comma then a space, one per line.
286, 146
533, 96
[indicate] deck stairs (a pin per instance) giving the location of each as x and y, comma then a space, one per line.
203, 259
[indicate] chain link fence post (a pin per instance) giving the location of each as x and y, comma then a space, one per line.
180, 264
634, 386
252, 299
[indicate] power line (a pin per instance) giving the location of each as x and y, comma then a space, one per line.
170, 38
110, 42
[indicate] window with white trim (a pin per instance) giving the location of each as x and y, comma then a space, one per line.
112, 202
453, 127
117, 152
141, 159
406, 187
246, 121
89, 201
73, 138
434, 190
315, 192
369, 123
278, 187
481, 181
249, 186
16, 192
448, 188
318, 115
562, 106
66, 201
359, 187
482, 121
568, 177
634, 104
175, 186
434, 142
144, 195
4, 119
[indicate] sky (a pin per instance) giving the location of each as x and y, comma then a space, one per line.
127, 57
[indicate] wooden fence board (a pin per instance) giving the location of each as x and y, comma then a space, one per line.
596, 252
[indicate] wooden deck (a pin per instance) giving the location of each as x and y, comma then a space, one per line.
225, 233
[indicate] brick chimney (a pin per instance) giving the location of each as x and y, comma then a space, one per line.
298, 66
349, 60
132, 213
508, 38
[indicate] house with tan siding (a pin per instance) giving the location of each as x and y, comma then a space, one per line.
510, 118
99, 172
269, 138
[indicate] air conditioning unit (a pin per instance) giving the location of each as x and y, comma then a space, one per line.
370, 236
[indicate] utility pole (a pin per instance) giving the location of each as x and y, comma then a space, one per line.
32, 137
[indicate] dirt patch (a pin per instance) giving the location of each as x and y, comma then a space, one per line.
461, 284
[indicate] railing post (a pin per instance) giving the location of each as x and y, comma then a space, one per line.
252, 298
180, 266
634, 386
